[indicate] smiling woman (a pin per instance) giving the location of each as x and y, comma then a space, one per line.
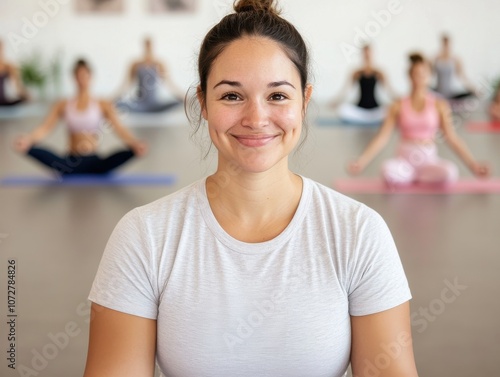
255, 270
247, 108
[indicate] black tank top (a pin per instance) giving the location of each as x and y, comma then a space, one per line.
367, 89
3, 78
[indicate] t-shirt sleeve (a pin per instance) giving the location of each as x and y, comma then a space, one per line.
125, 278
378, 281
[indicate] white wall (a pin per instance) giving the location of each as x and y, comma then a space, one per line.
111, 42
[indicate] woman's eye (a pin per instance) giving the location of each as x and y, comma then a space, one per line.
278, 97
230, 97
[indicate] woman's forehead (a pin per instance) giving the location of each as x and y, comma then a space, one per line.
254, 58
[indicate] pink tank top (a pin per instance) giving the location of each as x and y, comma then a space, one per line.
421, 125
86, 121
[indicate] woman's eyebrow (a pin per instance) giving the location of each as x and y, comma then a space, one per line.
228, 82
273, 84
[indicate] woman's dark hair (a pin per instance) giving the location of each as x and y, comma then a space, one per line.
253, 18
259, 18
416, 59
81, 63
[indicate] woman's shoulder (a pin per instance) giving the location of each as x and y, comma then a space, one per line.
438, 101
342, 209
332, 199
397, 104
103, 103
162, 217
175, 204
60, 105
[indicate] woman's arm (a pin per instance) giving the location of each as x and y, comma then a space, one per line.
434, 64
165, 75
461, 74
385, 82
120, 345
24, 142
382, 344
16, 78
127, 83
123, 133
345, 89
457, 144
378, 142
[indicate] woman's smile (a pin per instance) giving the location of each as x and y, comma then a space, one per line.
255, 140
254, 102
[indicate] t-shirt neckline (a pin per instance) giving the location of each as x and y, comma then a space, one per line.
253, 248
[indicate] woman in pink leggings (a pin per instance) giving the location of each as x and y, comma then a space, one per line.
419, 117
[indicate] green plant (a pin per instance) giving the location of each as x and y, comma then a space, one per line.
38, 73
33, 72
496, 85
56, 72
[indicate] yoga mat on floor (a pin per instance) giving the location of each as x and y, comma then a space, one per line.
377, 186
487, 127
170, 118
23, 111
92, 180
337, 122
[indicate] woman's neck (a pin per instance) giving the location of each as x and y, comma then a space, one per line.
83, 94
367, 67
254, 197
418, 93
148, 59
445, 54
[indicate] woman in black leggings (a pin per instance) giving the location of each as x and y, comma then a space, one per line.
87, 120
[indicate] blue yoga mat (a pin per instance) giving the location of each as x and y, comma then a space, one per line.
337, 122
92, 180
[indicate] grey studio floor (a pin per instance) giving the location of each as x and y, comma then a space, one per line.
57, 235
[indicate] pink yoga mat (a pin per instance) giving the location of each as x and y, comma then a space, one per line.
483, 127
377, 186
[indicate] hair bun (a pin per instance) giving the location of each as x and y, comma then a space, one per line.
255, 6
416, 58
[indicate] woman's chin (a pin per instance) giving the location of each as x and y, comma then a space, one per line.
258, 165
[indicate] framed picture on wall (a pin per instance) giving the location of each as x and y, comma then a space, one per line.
172, 6
99, 6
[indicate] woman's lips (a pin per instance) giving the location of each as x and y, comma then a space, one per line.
254, 140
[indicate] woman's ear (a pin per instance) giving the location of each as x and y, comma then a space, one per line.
201, 99
307, 95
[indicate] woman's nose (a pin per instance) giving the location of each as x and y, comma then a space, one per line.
255, 114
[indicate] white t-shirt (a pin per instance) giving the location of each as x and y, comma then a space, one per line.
229, 308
